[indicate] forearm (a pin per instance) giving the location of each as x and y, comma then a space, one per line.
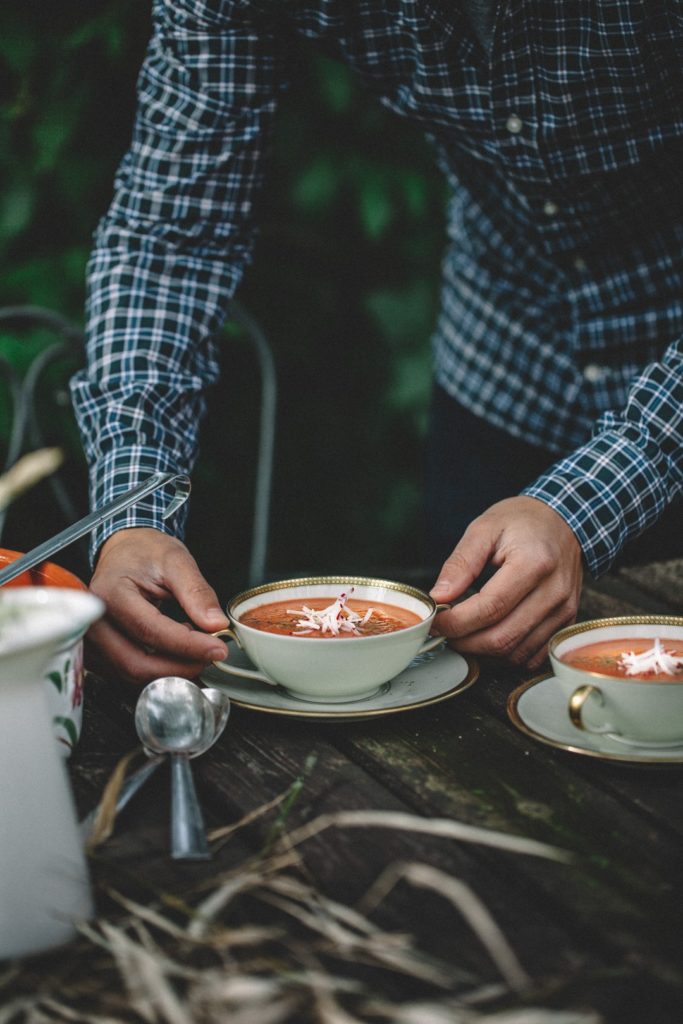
152, 320
620, 482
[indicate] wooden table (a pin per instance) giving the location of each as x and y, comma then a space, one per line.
602, 933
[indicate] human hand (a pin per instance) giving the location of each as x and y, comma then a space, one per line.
534, 592
137, 569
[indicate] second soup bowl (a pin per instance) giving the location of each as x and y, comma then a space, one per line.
330, 669
642, 708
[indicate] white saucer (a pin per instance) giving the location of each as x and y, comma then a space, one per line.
539, 709
430, 678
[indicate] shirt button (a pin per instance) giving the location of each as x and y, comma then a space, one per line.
514, 124
550, 208
594, 373
580, 264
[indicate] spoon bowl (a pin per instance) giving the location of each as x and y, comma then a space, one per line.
220, 703
172, 716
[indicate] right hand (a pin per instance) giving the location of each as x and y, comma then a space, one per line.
137, 569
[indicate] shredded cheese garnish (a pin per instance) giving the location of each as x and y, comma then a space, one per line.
656, 659
336, 618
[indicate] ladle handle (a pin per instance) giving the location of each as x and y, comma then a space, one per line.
100, 515
188, 834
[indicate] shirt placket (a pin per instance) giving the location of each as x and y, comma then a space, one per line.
515, 117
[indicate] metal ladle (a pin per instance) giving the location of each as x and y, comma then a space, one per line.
100, 515
173, 717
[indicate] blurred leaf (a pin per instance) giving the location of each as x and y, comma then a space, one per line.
317, 186
49, 138
73, 263
39, 282
414, 190
404, 315
16, 209
411, 385
401, 507
376, 207
336, 84
105, 28
18, 45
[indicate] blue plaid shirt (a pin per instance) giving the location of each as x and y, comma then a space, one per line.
562, 302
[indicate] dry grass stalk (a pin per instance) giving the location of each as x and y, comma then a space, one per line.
28, 471
208, 910
454, 1012
16, 1009
65, 1013
228, 830
198, 957
146, 975
443, 827
471, 908
103, 825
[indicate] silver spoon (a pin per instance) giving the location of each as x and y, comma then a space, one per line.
173, 717
221, 709
135, 781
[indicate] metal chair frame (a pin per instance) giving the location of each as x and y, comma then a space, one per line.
26, 433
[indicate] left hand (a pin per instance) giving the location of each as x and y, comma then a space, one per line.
534, 592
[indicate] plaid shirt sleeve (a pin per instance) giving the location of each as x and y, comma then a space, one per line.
170, 251
613, 487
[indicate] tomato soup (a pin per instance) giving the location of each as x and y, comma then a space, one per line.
322, 618
608, 658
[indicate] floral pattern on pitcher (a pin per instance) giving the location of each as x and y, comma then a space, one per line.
64, 683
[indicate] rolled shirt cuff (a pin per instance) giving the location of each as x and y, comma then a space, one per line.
608, 492
120, 472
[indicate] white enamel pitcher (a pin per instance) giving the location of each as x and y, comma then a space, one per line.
44, 883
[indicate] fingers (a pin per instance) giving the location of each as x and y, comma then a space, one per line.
139, 619
495, 602
466, 562
110, 653
137, 570
187, 585
534, 592
521, 638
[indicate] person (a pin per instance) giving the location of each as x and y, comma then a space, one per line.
557, 354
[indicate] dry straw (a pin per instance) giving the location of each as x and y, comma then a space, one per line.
262, 944
27, 472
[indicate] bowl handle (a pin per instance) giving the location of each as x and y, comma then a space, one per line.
430, 643
576, 703
235, 670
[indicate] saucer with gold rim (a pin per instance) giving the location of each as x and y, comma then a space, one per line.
430, 678
538, 708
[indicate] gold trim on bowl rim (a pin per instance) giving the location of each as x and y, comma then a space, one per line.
518, 722
464, 684
619, 620
349, 581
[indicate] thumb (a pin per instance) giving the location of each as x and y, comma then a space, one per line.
464, 565
197, 598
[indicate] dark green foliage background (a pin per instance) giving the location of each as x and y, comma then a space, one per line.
344, 281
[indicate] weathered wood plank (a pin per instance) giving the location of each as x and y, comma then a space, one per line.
651, 790
662, 580
257, 762
461, 764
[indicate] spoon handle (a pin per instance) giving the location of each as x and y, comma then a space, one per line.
128, 790
188, 835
